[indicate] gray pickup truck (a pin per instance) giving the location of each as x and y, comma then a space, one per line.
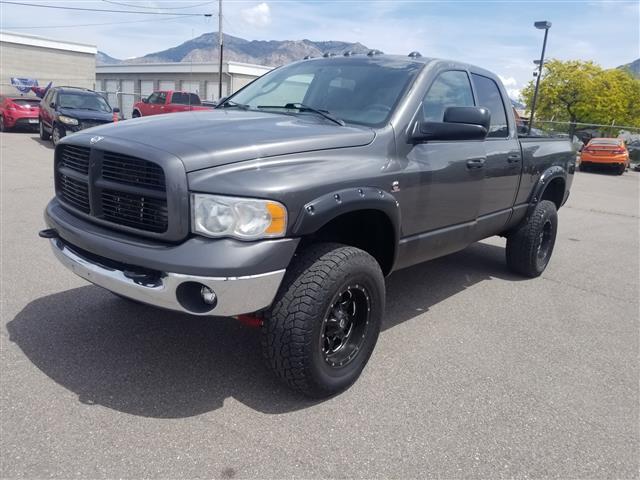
297, 196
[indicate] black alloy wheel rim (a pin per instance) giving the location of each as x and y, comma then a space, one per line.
345, 326
544, 242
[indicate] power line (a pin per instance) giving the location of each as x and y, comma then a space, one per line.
93, 24
3, 2
161, 8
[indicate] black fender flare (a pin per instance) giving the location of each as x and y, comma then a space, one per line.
551, 173
319, 212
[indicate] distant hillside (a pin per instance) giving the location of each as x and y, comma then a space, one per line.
262, 52
104, 59
633, 67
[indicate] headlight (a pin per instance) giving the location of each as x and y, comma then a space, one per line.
68, 120
242, 218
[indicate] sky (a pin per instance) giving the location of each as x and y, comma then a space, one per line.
497, 35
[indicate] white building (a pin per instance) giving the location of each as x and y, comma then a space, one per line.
127, 83
46, 60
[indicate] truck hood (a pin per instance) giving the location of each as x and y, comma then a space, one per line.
205, 139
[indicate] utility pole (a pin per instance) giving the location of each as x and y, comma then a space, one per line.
221, 47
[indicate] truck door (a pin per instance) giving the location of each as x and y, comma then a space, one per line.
449, 187
503, 166
441, 201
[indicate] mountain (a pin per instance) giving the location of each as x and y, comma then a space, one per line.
104, 59
262, 52
633, 67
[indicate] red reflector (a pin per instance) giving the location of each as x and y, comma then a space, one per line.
250, 320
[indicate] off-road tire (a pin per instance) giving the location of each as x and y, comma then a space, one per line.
293, 327
524, 244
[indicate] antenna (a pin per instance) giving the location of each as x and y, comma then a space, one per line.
221, 46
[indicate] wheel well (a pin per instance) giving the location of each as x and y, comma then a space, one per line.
554, 192
369, 230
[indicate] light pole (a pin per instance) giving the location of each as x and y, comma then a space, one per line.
544, 25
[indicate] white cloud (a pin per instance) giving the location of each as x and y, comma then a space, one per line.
258, 16
511, 85
508, 81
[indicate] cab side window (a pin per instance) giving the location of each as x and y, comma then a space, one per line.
162, 98
153, 98
450, 89
489, 97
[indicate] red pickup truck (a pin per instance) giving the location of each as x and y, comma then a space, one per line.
167, 101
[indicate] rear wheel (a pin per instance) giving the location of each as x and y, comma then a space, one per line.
530, 246
324, 323
621, 169
43, 133
3, 128
584, 168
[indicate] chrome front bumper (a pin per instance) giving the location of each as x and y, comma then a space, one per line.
173, 291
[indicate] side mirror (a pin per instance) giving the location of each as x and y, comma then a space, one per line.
145, 100
116, 110
459, 123
52, 104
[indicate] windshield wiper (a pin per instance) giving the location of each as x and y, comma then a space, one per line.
301, 107
232, 104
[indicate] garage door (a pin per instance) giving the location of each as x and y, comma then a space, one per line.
146, 88
128, 97
192, 87
167, 85
111, 86
212, 90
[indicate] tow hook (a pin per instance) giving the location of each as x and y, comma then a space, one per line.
48, 233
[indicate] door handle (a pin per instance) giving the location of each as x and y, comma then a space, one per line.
475, 163
515, 158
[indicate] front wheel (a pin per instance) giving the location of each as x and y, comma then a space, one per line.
44, 135
530, 246
57, 134
135, 114
324, 323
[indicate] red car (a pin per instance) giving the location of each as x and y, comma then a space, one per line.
18, 112
167, 101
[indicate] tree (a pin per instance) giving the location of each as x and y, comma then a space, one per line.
582, 92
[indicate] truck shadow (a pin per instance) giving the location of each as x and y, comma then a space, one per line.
153, 363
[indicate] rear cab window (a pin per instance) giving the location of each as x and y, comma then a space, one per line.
184, 98
489, 97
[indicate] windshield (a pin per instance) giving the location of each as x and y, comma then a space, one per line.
26, 102
361, 91
83, 101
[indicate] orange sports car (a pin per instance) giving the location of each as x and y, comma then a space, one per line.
605, 152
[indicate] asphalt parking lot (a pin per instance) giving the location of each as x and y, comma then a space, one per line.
477, 373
